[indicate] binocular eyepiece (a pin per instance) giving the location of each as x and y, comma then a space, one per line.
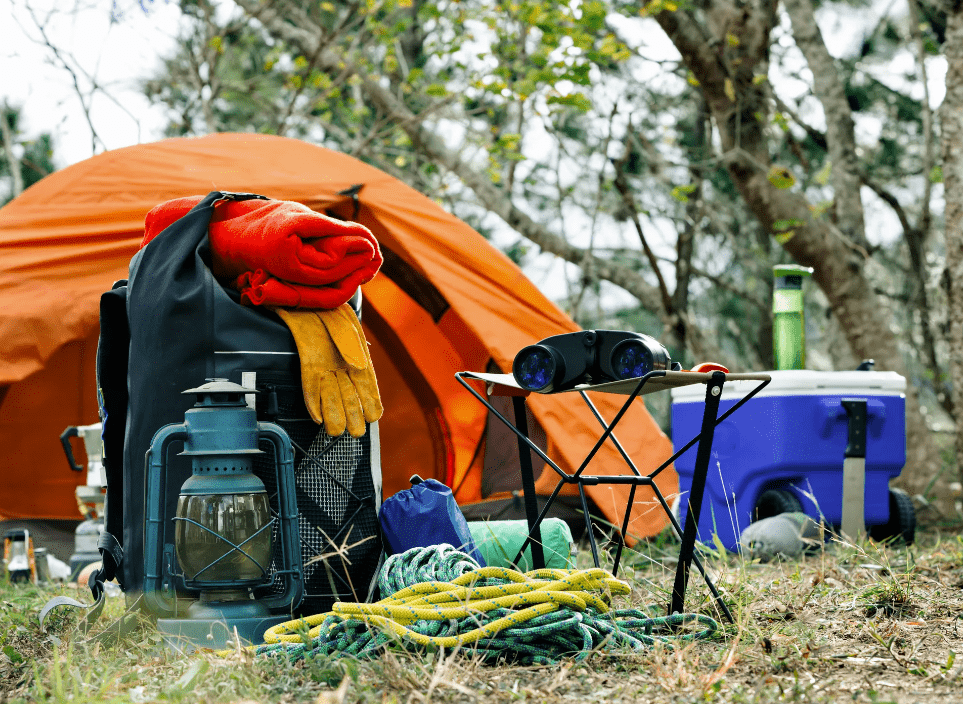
562, 362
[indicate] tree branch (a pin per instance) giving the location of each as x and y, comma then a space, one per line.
622, 186
890, 200
67, 65
927, 116
291, 24
840, 130
815, 135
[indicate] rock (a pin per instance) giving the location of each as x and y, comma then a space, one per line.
785, 535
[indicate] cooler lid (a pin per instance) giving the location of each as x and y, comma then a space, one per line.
804, 382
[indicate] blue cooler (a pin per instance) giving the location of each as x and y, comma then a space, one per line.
790, 438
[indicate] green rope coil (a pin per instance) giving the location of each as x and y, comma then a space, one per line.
438, 563
440, 597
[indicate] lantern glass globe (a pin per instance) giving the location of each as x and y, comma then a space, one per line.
215, 524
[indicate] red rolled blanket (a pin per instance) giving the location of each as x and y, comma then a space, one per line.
281, 253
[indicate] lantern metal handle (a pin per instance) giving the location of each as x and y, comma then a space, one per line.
156, 466
293, 580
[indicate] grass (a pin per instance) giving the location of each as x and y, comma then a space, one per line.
854, 623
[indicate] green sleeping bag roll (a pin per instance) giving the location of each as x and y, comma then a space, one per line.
499, 541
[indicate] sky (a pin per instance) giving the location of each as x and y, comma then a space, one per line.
112, 43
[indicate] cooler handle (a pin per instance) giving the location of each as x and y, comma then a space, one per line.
833, 412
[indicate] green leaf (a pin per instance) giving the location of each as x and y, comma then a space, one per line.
822, 177
436, 90
510, 140
819, 208
781, 177
681, 193
782, 225
12, 653
718, 544
936, 174
656, 6
593, 16
576, 100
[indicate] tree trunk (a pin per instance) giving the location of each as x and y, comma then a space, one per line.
740, 109
952, 144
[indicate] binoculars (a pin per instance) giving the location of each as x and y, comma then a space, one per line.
561, 362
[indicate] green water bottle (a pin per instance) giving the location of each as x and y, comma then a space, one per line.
788, 324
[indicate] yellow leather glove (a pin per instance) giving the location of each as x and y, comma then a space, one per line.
337, 376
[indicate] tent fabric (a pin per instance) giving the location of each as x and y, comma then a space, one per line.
444, 301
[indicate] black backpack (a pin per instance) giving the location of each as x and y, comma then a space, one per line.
170, 327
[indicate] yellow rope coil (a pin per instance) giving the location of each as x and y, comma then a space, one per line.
538, 592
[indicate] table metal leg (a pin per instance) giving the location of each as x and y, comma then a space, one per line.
625, 524
713, 395
589, 531
528, 484
723, 607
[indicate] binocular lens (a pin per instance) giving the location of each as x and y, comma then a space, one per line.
631, 360
534, 369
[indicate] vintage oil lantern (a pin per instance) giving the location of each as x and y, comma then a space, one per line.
235, 559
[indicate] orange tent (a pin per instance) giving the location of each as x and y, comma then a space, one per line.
444, 301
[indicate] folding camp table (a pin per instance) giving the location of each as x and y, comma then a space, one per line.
505, 385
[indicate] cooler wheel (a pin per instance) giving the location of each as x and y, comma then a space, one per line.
772, 502
902, 519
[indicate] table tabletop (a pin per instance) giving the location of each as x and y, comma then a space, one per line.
625, 387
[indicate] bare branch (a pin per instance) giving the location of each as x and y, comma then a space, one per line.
622, 186
890, 200
815, 135
929, 158
764, 307
587, 274
69, 64
840, 130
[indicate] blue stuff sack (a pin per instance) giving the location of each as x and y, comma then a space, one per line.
425, 515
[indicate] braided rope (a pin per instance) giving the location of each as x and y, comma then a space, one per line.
442, 598
438, 563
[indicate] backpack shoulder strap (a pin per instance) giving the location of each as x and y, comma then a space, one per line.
112, 357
